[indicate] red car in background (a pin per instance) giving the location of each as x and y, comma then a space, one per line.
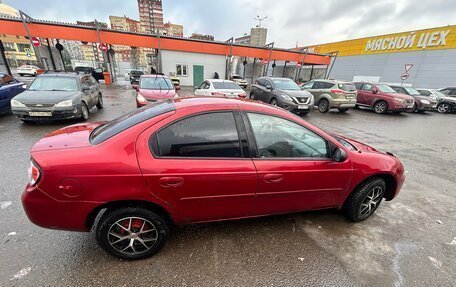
153, 88
381, 98
197, 160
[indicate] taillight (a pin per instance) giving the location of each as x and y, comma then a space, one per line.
141, 99
34, 173
242, 96
338, 92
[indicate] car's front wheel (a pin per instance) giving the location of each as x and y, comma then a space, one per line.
84, 112
343, 110
274, 102
100, 102
443, 108
380, 107
363, 202
323, 106
132, 232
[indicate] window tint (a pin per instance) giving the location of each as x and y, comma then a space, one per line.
367, 87
225, 85
453, 92
110, 129
327, 85
308, 85
156, 83
206, 135
277, 137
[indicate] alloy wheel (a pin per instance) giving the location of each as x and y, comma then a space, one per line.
274, 102
132, 235
380, 108
371, 201
443, 108
85, 112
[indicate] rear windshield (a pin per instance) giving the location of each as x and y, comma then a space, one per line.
128, 120
385, 89
226, 86
156, 83
348, 87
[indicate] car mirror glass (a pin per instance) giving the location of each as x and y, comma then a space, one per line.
339, 155
269, 87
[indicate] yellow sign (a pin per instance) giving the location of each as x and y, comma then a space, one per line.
428, 39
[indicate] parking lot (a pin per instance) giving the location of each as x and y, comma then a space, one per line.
408, 241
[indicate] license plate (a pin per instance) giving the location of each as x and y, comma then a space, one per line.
409, 106
303, 107
40, 114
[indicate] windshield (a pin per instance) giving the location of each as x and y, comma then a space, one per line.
237, 77
128, 120
385, 89
438, 94
156, 83
412, 91
54, 84
136, 73
226, 86
82, 69
285, 84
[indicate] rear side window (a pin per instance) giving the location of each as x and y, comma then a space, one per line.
226, 86
327, 85
205, 135
425, 93
348, 87
112, 128
367, 87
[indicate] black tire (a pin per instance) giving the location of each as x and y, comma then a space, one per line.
108, 231
303, 113
358, 202
323, 106
343, 110
380, 107
84, 112
356, 107
274, 102
443, 108
100, 102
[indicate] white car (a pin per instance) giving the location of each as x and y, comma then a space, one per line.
27, 70
224, 88
240, 81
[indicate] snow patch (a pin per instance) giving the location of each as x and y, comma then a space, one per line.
21, 273
5, 204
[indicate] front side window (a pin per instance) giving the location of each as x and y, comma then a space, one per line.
424, 93
279, 138
205, 135
367, 87
181, 70
54, 84
308, 85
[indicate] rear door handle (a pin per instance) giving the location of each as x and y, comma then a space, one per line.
273, 177
171, 181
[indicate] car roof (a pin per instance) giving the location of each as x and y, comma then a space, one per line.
154, 76
220, 102
218, 80
63, 75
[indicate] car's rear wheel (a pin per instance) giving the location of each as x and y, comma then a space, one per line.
84, 112
363, 202
323, 106
356, 107
132, 232
100, 102
443, 108
343, 110
381, 107
274, 102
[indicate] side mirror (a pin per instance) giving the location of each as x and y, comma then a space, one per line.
269, 87
339, 155
375, 90
135, 87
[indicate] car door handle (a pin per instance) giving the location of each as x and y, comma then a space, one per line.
171, 181
273, 177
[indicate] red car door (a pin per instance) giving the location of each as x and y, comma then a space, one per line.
199, 164
294, 171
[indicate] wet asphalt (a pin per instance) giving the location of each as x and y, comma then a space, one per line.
410, 241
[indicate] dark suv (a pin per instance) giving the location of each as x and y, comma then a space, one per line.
422, 103
282, 92
447, 104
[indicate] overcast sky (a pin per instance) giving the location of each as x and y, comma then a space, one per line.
289, 21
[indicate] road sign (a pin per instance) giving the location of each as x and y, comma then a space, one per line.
404, 76
408, 67
36, 42
265, 61
29, 55
298, 65
103, 47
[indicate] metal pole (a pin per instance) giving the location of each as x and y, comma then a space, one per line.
25, 21
2, 54
302, 63
105, 53
159, 55
50, 54
284, 68
228, 59
271, 46
61, 57
311, 72
332, 64
253, 70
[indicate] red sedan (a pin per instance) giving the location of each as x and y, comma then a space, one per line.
197, 160
153, 88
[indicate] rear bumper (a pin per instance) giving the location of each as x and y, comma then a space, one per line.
47, 212
343, 103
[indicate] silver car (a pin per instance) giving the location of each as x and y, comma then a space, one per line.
58, 96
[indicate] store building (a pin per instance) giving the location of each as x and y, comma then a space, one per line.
421, 58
